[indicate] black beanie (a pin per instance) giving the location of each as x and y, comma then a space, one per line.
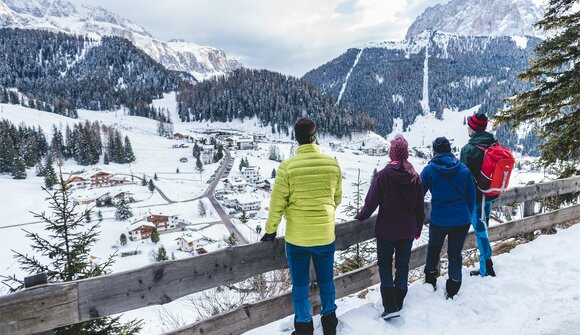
441, 145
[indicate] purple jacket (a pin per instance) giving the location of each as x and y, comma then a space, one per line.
399, 196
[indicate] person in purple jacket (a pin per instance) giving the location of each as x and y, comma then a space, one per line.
452, 202
398, 193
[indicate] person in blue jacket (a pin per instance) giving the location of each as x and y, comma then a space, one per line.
452, 202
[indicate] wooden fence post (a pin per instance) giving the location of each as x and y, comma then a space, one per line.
36, 280
529, 209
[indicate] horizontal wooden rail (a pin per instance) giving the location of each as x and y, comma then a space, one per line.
163, 282
263, 312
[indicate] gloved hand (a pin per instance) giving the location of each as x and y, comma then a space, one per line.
268, 237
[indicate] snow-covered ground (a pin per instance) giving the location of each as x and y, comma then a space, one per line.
156, 155
536, 292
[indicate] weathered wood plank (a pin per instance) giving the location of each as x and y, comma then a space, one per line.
39, 309
539, 191
166, 281
255, 315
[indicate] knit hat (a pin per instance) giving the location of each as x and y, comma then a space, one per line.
441, 145
399, 150
477, 122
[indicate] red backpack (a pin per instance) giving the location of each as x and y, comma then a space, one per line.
498, 163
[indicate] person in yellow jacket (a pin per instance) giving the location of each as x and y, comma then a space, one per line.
307, 190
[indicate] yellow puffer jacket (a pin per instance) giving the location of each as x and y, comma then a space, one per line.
307, 190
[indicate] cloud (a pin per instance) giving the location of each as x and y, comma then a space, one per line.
291, 37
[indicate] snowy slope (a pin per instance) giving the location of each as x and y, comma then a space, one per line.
536, 292
62, 16
476, 17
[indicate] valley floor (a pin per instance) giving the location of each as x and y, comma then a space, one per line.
536, 292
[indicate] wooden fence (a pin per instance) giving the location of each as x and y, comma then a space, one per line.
51, 306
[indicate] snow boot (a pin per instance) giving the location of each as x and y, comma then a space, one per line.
329, 323
452, 287
431, 278
389, 303
401, 294
488, 268
303, 328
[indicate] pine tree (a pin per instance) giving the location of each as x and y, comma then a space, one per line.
199, 165
273, 173
123, 211
68, 247
177, 170
123, 239
155, 176
129, 155
201, 208
19, 169
155, 236
196, 150
232, 240
151, 186
161, 254
554, 101
244, 218
100, 216
258, 229
360, 254
106, 159
50, 177
144, 181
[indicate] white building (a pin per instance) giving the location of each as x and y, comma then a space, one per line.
375, 151
207, 153
259, 137
245, 143
235, 184
248, 202
190, 241
252, 174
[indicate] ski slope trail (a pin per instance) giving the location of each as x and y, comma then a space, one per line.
536, 292
348, 76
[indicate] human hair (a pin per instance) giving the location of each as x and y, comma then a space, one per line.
305, 131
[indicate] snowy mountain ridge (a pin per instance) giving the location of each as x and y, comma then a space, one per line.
482, 18
62, 16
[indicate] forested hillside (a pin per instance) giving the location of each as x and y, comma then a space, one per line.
59, 73
275, 99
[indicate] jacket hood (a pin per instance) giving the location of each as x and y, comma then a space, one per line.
482, 138
399, 175
445, 163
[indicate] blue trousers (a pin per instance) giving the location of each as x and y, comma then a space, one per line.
402, 251
299, 265
456, 238
480, 230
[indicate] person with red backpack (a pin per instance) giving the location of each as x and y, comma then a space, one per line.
491, 166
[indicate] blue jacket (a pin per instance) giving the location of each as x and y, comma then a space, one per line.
452, 190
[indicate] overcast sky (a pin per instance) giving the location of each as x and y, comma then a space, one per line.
291, 37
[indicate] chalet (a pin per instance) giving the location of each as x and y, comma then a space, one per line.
104, 200
375, 151
230, 142
83, 200
78, 183
183, 159
122, 196
141, 231
251, 174
267, 184
245, 143
179, 136
100, 178
235, 184
190, 241
163, 222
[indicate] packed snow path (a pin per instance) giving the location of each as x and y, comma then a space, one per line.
536, 292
